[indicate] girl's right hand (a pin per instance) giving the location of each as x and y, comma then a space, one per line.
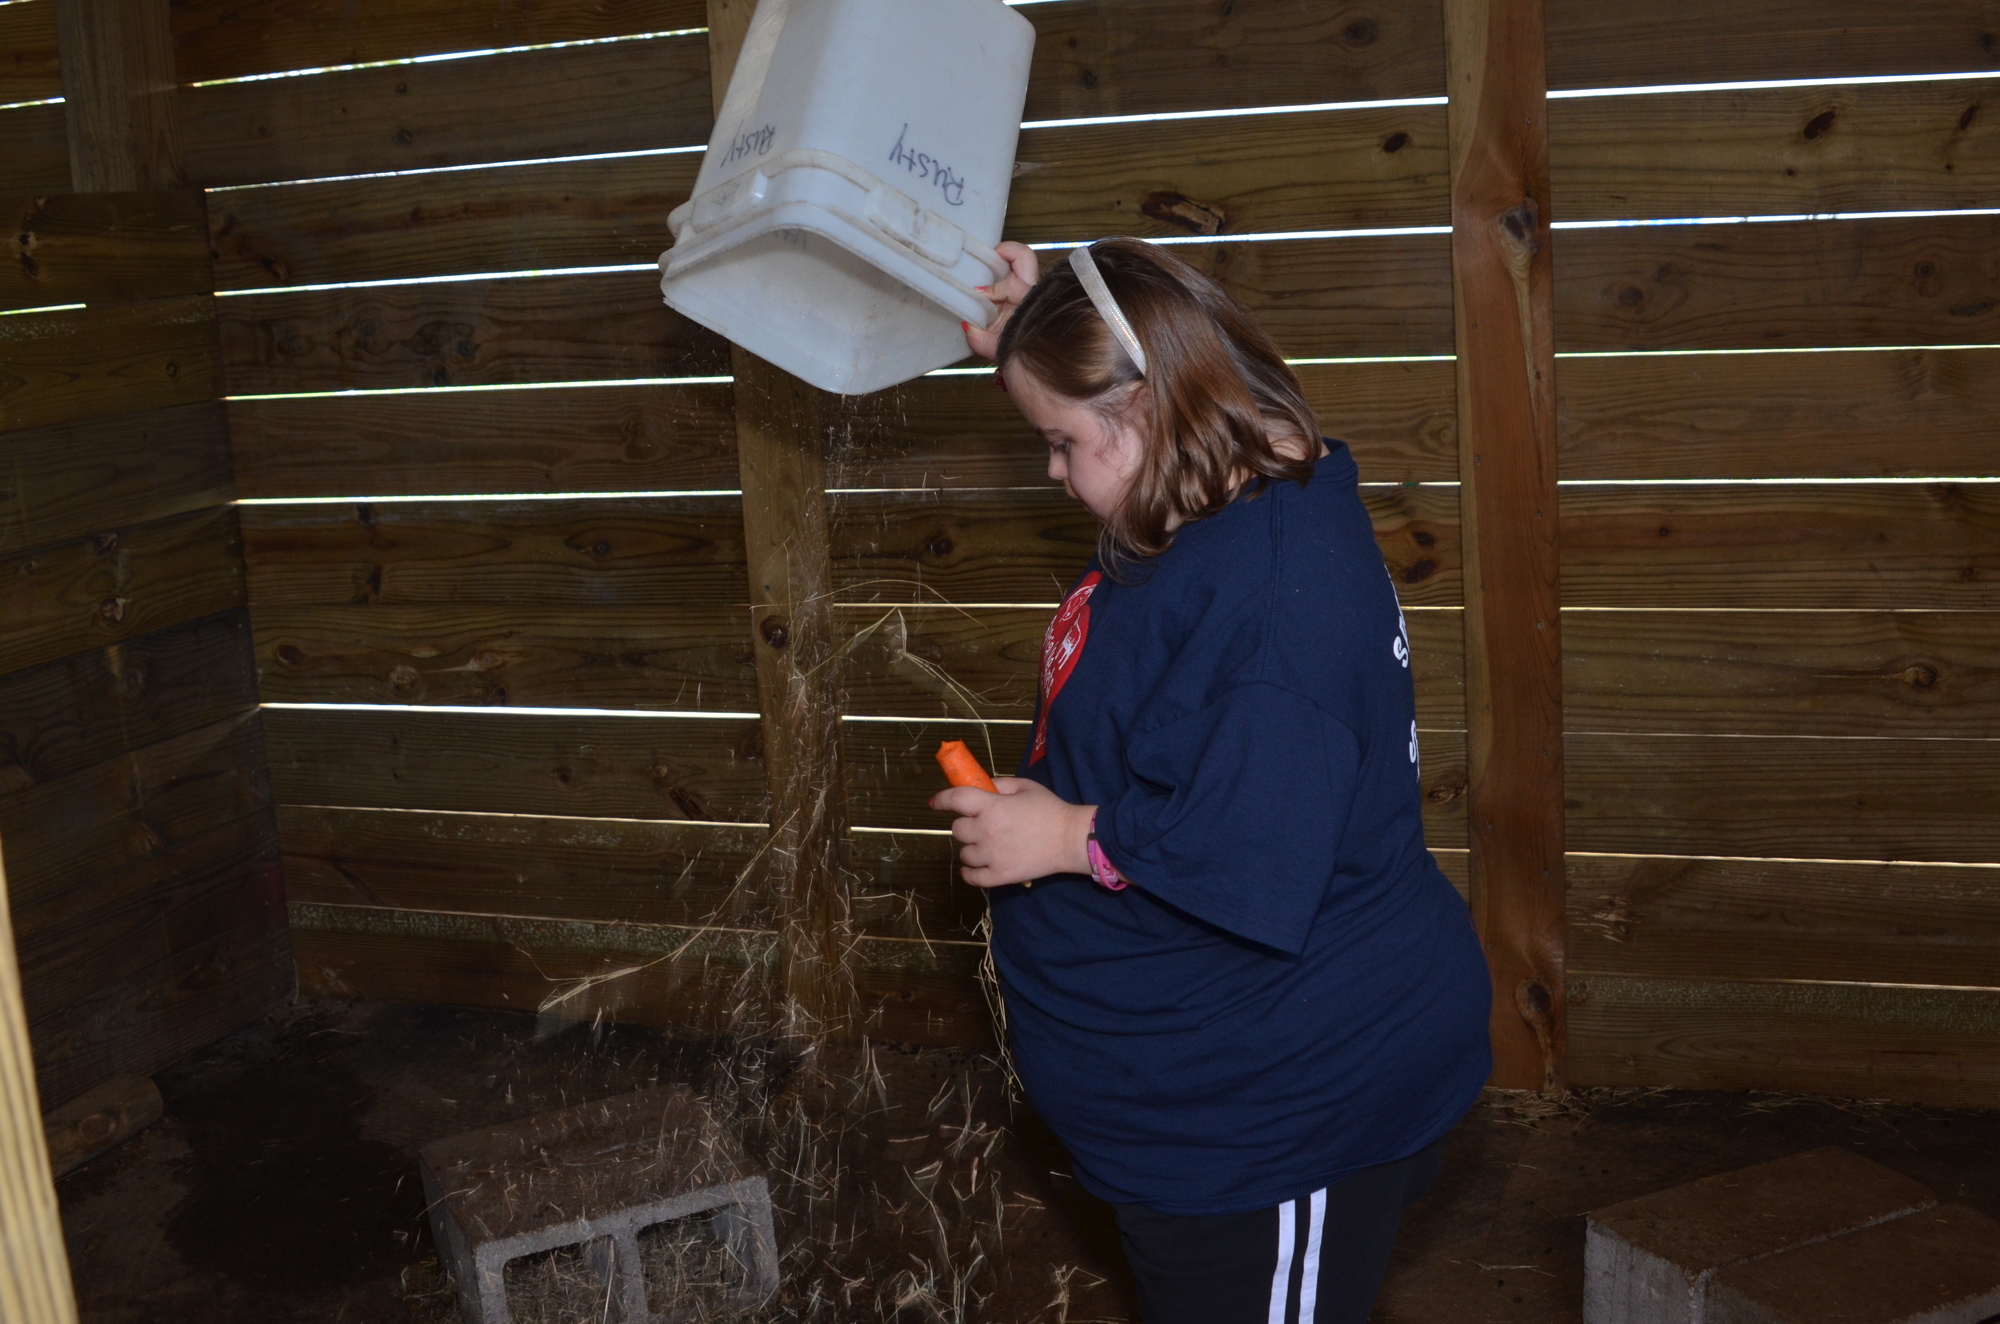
1024, 269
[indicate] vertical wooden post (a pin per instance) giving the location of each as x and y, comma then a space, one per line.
34, 1267
1503, 297
118, 95
781, 427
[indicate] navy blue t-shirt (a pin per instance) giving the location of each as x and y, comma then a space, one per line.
1289, 989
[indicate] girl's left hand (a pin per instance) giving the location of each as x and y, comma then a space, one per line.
1023, 833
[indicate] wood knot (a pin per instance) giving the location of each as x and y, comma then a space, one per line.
291, 655
1416, 572
1395, 142
1818, 125
1520, 229
1184, 213
1361, 32
777, 633
1919, 676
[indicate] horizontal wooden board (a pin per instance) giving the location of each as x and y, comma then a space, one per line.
684, 658
650, 768
603, 869
1668, 918
1316, 297
571, 970
1913, 1045
470, 333
582, 439
1642, 42
1027, 546
1775, 151
1824, 545
69, 597
515, 218
1794, 797
1826, 673
64, 716
29, 68
34, 150
566, 766
618, 97
1239, 176
1796, 285
70, 479
1912, 413
111, 359
103, 247
229, 39
103, 932
130, 807
572, 555
1128, 57
1399, 419
979, 546
160, 1015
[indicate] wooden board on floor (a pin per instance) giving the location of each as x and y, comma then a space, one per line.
601, 869
34, 150
1862, 414
1776, 151
29, 67
1835, 546
472, 333
70, 479
1795, 797
1793, 285
1914, 1045
103, 247
573, 970
67, 715
59, 367
1664, 917
1919, 674
592, 439
229, 38
101, 933
69, 597
131, 806
1706, 41
618, 97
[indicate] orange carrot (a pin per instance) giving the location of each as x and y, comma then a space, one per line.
961, 768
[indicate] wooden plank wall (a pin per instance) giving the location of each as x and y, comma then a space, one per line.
1778, 568
140, 844
1779, 688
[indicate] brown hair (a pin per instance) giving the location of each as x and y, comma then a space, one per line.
1221, 391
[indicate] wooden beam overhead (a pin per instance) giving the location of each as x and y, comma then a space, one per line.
1503, 302
118, 94
781, 425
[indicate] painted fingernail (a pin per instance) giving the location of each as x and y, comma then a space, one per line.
965, 326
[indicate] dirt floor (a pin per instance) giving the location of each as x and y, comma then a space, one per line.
282, 1184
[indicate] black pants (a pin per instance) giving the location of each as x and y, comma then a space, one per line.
1315, 1260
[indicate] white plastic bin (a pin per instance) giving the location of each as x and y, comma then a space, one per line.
851, 197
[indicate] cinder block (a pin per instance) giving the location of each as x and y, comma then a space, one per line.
1650, 1260
595, 1176
1940, 1266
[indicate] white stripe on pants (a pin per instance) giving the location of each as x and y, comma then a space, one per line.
1281, 1280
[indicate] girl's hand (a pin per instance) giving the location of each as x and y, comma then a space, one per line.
1024, 270
1023, 833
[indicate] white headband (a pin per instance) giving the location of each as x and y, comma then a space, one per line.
1085, 266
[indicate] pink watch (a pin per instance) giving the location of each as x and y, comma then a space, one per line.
1102, 870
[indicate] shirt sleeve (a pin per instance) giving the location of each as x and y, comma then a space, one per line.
1236, 812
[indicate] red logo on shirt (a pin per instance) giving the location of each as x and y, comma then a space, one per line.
1061, 647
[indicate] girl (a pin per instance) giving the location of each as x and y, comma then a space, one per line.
1244, 996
